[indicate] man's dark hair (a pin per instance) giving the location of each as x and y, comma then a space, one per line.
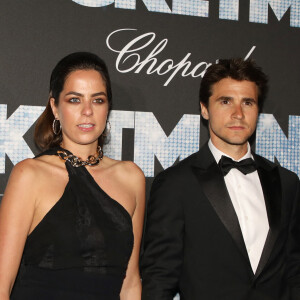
237, 69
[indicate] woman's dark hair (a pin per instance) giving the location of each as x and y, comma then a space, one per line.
44, 136
237, 69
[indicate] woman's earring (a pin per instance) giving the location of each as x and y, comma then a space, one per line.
107, 129
55, 124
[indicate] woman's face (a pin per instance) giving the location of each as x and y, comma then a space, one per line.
82, 108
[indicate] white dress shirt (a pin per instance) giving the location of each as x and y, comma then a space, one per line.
248, 201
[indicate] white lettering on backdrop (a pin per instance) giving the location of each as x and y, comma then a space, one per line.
129, 58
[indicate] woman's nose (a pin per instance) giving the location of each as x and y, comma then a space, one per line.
87, 109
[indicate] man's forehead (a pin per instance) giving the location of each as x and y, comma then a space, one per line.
230, 85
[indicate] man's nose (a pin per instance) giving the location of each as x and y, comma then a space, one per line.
238, 112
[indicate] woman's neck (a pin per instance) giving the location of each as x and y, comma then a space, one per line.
81, 151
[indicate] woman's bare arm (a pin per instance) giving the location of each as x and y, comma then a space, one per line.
131, 289
16, 214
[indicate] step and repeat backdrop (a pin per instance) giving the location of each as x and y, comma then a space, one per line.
157, 52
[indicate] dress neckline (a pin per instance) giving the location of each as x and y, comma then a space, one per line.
77, 171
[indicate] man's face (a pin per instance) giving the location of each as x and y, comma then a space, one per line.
232, 113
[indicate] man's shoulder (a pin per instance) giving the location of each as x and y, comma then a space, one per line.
186, 162
284, 172
180, 170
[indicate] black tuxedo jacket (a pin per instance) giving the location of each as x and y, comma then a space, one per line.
193, 243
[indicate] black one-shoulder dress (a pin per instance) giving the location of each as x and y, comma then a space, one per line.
80, 249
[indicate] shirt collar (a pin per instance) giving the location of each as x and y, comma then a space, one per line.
218, 153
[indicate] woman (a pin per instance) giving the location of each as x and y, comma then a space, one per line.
70, 217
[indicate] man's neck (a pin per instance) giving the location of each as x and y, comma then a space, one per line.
234, 151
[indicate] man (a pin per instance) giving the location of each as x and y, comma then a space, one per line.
223, 224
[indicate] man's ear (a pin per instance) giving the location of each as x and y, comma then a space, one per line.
204, 111
54, 108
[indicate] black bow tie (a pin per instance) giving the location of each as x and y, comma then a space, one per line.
245, 166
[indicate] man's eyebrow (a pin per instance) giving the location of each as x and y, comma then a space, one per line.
221, 98
224, 98
249, 99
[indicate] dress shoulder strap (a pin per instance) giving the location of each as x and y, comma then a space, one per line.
51, 151
71, 170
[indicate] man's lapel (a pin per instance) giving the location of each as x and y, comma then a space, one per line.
213, 185
271, 186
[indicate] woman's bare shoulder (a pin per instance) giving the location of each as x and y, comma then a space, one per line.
126, 168
22, 178
26, 168
30, 169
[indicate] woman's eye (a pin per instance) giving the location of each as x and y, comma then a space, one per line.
74, 100
98, 100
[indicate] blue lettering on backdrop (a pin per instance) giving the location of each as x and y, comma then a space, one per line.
12, 131
259, 10
182, 7
228, 9
118, 119
157, 6
196, 8
271, 141
151, 141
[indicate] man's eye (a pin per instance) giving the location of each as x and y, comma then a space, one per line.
249, 103
74, 100
225, 101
